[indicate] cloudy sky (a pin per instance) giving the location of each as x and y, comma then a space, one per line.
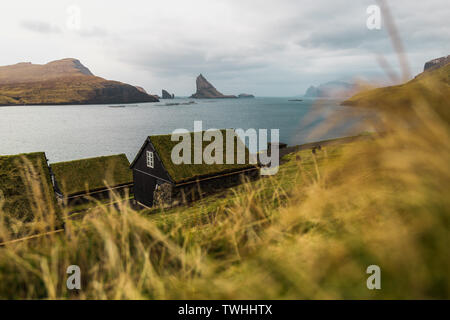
268, 48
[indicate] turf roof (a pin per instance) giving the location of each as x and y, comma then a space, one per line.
87, 175
25, 184
186, 172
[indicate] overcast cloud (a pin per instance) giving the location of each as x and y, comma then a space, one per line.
268, 48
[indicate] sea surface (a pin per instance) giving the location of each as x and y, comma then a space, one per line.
82, 131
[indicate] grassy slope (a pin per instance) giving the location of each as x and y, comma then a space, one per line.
72, 90
94, 173
431, 86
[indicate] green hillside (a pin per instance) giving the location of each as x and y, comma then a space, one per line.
431, 86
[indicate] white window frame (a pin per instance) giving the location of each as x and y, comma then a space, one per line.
150, 159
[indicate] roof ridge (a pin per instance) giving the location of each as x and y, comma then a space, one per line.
91, 158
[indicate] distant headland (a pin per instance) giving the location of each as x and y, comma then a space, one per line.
62, 82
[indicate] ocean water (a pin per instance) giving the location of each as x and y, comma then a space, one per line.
82, 131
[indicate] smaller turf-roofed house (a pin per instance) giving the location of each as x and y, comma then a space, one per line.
160, 182
79, 180
27, 191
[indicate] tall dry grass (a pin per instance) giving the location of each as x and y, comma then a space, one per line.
383, 202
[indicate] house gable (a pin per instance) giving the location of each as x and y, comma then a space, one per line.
140, 163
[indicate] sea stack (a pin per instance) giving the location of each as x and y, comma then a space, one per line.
206, 90
167, 95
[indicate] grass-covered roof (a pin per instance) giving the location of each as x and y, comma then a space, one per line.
87, 175
186, 172
25, 186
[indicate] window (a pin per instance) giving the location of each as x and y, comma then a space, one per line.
150, 159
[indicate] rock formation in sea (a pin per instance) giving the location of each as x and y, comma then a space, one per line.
436, 63
206, 90
65, 81
245, 95
167, 95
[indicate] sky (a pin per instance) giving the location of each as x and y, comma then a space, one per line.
266, 48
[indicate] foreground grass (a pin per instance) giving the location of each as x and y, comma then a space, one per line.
308, 232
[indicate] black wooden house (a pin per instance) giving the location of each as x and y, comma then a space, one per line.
160, 182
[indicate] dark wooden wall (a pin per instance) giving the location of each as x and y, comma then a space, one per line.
145, 178
106, 194
144, 186
195, 191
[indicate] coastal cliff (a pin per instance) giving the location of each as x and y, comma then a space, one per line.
60, 82
436, 63
206, 90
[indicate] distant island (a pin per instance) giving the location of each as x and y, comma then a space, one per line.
206, 90
63, 82
332, 89
245, 95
